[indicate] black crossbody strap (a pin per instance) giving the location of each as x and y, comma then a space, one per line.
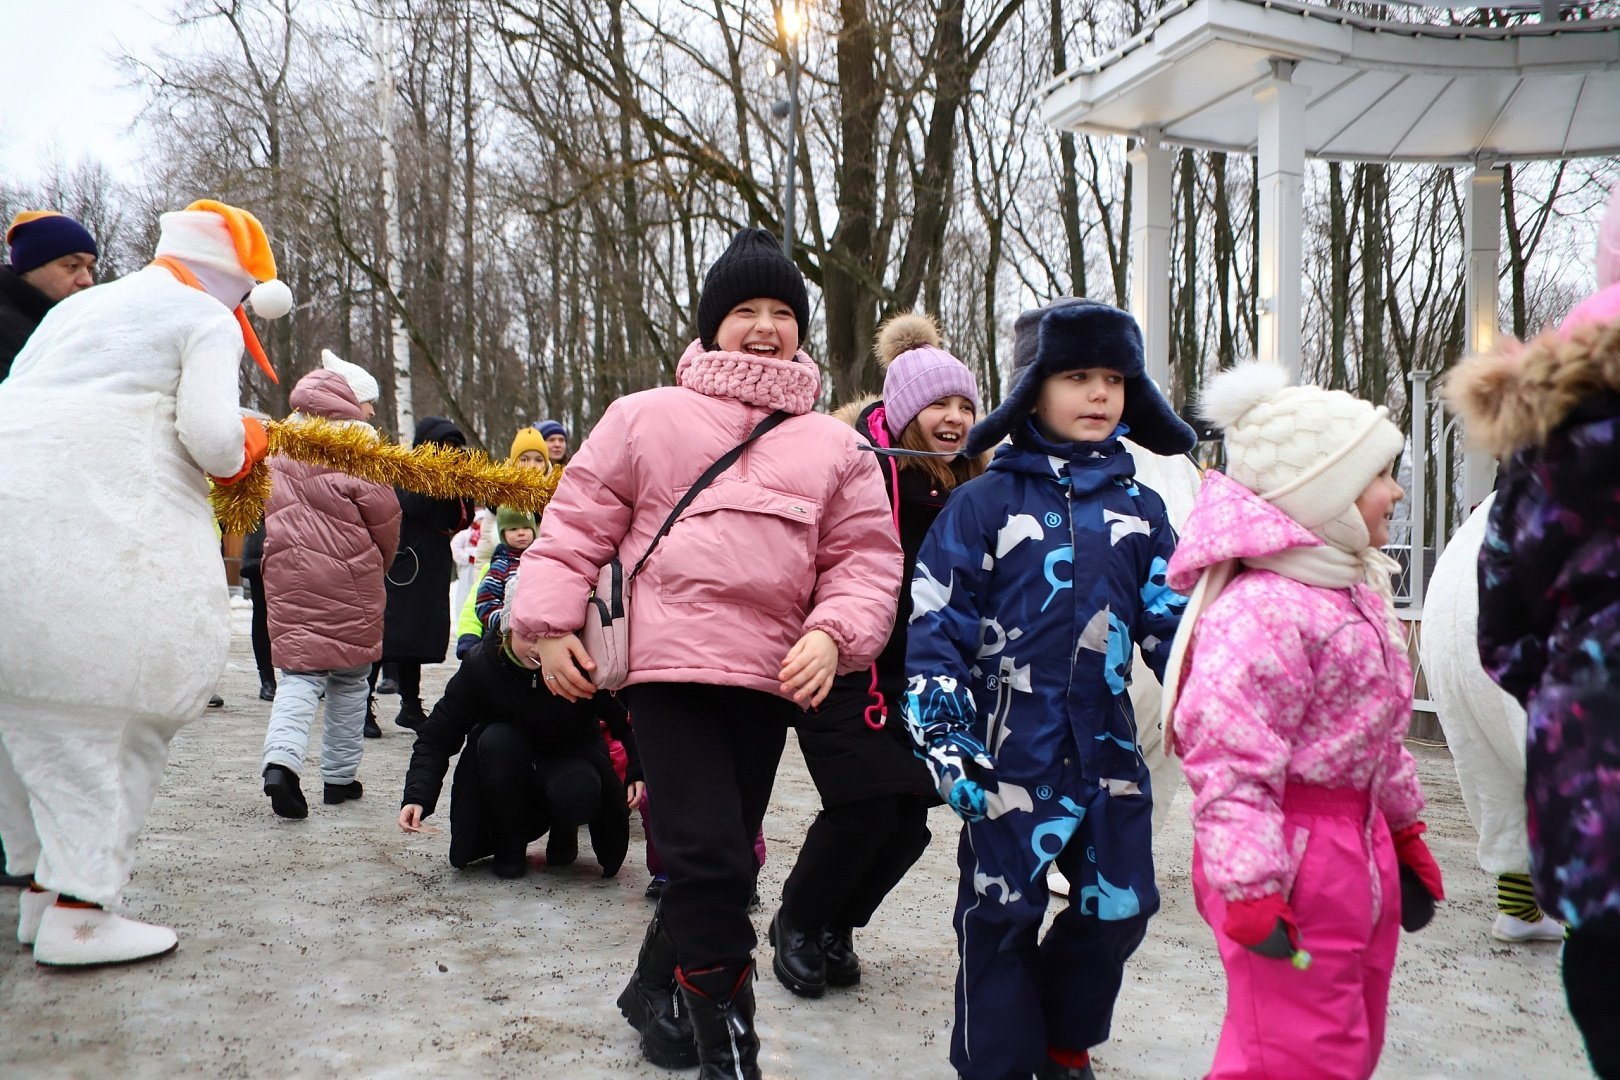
705, 480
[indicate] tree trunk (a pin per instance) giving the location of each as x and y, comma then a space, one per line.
1188, 350
404, 407
931, 190
1374, 353
1339, 279
849, 272
1068, 182
1225, 250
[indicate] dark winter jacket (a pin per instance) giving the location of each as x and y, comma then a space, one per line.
1549, 603
490, 687
920, 501
1028, 594
22, 308
416, 627
844, 754
252, 553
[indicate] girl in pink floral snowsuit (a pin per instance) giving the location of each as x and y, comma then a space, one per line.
1293, 703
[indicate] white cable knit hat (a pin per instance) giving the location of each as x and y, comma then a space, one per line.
1309, 452
359, 379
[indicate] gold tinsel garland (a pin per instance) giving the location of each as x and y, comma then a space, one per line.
437, 471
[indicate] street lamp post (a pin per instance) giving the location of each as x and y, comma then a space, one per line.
790, 21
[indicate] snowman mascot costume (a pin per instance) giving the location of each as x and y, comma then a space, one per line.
123, 403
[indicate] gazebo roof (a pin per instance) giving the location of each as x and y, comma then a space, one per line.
1379, 91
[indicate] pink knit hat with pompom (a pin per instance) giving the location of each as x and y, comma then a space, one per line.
919, 371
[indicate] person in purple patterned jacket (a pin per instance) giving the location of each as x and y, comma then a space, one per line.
1549, 616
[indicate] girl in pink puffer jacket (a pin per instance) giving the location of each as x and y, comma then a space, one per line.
781, 574
1293, 702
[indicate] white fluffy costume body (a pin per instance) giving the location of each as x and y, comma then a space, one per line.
122, 403
1484, 726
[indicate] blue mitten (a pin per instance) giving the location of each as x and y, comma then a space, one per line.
960, 764
941, 717
967, 799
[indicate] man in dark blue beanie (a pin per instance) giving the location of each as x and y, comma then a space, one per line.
52, 257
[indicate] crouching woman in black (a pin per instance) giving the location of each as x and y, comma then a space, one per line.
533, 762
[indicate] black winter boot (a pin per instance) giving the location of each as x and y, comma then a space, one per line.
336, 793
652, 1002
562, 846
511, 858
411, 717
843, 966
799, 963
286, 797
370, 728
721, 1001
1053, 1071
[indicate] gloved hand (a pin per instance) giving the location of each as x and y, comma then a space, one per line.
959, 763
940, 715
255, 445
1265, 925
1421, 884
967, 799
1417, 906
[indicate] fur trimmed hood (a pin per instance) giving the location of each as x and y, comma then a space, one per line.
850, 413
1517, 395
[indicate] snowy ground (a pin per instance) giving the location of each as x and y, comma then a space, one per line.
338, 943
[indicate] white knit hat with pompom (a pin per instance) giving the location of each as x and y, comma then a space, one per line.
1309, 452
359, 379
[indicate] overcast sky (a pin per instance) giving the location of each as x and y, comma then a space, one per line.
61, 92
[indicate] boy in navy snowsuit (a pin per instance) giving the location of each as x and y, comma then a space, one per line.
1030, 592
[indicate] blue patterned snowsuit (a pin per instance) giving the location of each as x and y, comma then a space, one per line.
1029, 592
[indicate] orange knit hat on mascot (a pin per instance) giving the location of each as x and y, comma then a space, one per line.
223, 250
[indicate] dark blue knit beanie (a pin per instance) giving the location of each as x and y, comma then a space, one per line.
1071, 333
36, 241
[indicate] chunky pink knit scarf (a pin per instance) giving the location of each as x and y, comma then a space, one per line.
789, 385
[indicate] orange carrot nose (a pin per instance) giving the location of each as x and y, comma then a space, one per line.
253, 347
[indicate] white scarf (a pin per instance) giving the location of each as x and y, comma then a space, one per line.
1327, 565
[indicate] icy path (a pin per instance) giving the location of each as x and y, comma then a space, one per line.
338, 943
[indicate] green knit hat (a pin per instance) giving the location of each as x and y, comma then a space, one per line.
512, 518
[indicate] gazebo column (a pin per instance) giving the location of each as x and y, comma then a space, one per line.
1281, 176
1482, 237
1150, 163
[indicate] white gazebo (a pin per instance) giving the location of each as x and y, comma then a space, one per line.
1284, 81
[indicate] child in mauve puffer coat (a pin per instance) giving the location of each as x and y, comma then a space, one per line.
328, 540
1294, 699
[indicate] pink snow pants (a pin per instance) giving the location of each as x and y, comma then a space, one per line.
1326, 1022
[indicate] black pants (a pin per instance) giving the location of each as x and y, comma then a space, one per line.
1592, 983
407, 673
526, 795
852, 856
710, 755
261, 626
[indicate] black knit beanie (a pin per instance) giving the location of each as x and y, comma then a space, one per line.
752, 266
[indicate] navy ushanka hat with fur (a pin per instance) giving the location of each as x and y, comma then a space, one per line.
1071, 333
